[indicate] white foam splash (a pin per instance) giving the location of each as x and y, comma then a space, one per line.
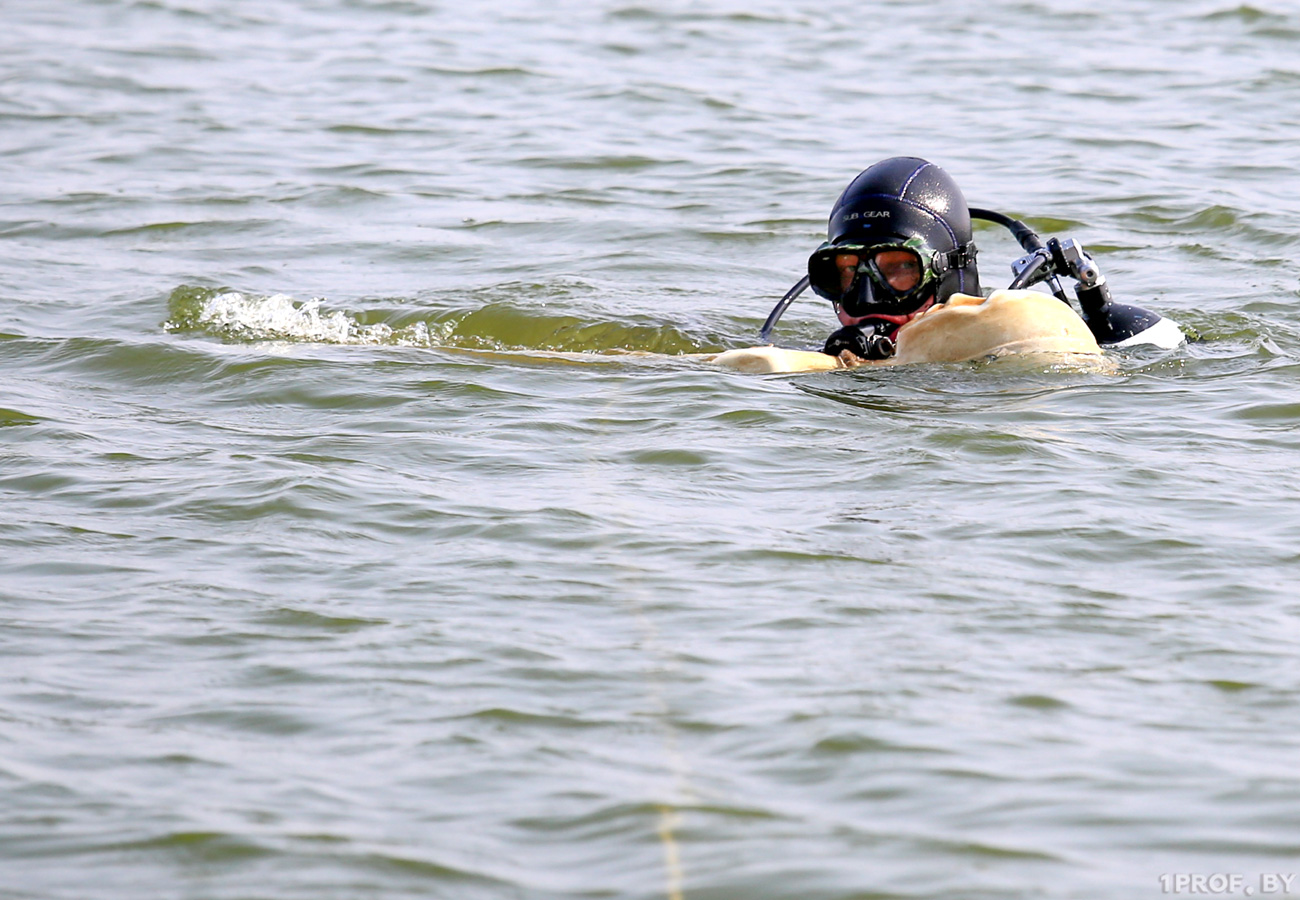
280, 317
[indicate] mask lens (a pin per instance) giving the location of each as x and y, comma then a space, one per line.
899, 269
847, 265
833, 270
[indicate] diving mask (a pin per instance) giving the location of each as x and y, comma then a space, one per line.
877, 279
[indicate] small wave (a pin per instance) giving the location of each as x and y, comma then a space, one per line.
1243, 13
499, 326
279, 317
16, 417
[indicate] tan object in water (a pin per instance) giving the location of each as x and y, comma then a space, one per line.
964, 328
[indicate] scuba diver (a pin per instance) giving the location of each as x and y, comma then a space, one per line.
900, 242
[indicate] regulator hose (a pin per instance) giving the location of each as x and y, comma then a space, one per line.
1024, 235
1038, 263
765, 336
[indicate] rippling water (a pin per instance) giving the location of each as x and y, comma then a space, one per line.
370, 532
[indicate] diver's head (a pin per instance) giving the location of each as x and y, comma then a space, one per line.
899, 238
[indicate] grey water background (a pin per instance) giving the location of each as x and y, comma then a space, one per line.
323, 575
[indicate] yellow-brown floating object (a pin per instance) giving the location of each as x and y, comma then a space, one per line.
964, 328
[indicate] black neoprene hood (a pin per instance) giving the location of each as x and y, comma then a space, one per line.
906, 197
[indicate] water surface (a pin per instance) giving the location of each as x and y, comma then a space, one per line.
369, 530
